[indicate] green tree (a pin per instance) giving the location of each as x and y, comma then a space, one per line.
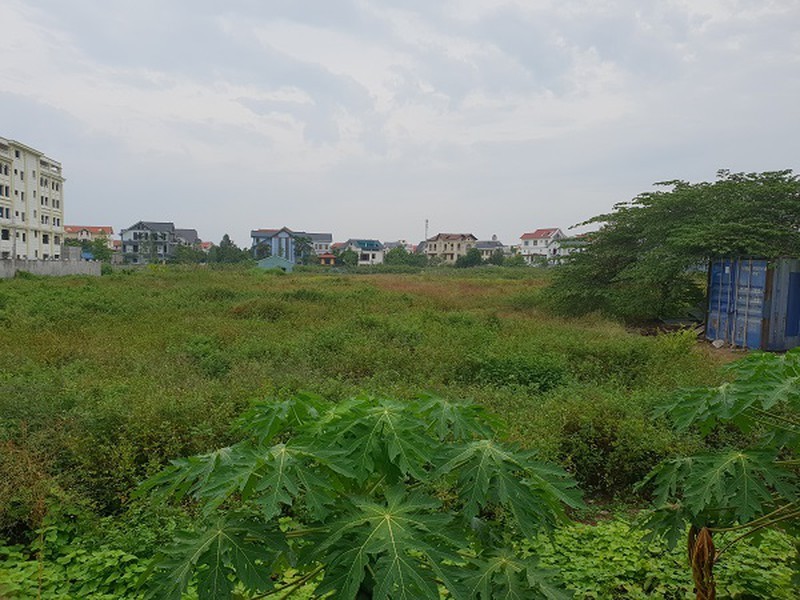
497, 257
228, 252
515, 260
401, 256
396, 256
304, 250
375, 498
734, 490
348, 258
189, 255
644, 260
99, 249
262, 250
471, 259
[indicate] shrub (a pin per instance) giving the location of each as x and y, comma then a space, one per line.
608, 441
208, 356
539, 373
265, 309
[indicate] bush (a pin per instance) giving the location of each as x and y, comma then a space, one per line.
538, 373
208, 356
608, 441
265, 309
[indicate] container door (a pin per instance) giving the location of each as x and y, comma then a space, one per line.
748, 309
720, 299
793, 306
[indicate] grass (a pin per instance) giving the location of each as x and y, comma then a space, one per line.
103, 380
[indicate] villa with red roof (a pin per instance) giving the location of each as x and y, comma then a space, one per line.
542, 244
89, 233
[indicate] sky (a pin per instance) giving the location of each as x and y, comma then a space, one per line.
364, 118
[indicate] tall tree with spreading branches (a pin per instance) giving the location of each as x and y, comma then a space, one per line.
646, 260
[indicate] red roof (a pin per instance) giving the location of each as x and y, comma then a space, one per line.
338, 245
327, 255
102, 230
540, 234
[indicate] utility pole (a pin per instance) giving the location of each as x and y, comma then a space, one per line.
426, 230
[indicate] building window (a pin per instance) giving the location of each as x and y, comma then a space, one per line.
5, 234
45, 238
56, 239
16, 153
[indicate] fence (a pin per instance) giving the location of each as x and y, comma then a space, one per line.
9, 268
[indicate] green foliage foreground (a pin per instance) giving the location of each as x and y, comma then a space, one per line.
384, 499
730, 493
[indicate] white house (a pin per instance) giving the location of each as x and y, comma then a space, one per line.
542, 244
370, 252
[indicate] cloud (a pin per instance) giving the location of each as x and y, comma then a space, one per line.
368, 115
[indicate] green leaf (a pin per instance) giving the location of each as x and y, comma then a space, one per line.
231, 549
265, 420
399, 539
456, 421
487, 473
502, 574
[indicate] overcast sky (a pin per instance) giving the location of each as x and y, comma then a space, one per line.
366, 117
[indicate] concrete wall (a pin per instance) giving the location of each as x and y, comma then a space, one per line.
49, 267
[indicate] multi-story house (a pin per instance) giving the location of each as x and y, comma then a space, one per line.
488, 247
187, 237
31, 203
542, 245
370, 252
292, 245
149, 241
447, 247
89, 233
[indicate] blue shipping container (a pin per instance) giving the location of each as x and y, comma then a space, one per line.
754, 303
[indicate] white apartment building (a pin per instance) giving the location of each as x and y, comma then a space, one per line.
31, 203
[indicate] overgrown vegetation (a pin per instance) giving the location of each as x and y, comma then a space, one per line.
104, 380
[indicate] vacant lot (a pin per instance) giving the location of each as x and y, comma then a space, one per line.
103, 380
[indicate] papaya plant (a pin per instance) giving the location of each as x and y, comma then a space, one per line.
367, 498
735, 490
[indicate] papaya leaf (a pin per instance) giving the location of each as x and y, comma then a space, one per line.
487, 473
456, 421
502, 574
230, 549
398, 539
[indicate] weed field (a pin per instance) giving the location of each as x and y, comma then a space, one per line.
104, 380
